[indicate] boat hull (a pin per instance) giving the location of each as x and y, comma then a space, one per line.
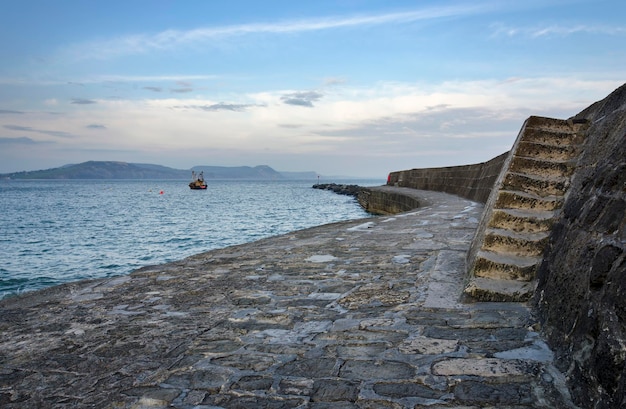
197, 187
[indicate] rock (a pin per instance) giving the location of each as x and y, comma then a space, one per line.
349, 190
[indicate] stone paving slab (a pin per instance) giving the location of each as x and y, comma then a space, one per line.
358, 314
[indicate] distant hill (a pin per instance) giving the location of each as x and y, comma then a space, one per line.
123, 170
240, 172
102, 170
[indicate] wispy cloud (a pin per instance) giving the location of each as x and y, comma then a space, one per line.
154, 89
20, 128
304, 99
182, 79
8, 111
83, 101
22, 140
334, 81
218, 107
99, 79
556, 30
170, 39
96, 126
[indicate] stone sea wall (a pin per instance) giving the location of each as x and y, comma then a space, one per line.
383, 202
473, 182
379, 201
581, 295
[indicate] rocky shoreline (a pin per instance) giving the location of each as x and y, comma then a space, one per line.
342, 189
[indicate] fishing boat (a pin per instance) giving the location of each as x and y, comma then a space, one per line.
197, 181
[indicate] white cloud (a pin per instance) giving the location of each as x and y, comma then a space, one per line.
394, 123
260, 122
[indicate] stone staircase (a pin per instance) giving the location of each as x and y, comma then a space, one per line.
525, 201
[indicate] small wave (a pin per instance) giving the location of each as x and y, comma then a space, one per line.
15, 286
5, 282
178, 239
109, 267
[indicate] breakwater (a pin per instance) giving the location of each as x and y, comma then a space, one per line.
559, 196
380, 200
357, 314
473, 182
569, 208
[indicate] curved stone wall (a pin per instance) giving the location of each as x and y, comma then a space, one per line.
473, 182
383, 202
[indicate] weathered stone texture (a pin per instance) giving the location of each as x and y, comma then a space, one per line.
473, 182
387, 201
358, 314
581, 294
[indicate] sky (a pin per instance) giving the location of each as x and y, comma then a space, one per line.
345, 87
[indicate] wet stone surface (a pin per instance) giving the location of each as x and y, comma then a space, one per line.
359, 314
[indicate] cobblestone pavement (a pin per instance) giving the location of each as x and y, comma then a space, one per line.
359, 314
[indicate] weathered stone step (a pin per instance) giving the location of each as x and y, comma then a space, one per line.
505, 266
552, 137
540, 167
538, 185
556, 125
509, 246
515, 243
487, 289
537, 150
519, 220
508, 199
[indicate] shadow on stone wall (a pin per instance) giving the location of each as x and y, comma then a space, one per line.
384, 202
581, 294
473, 182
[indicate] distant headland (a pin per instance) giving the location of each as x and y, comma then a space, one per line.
124, 170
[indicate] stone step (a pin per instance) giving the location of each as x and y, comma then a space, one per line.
506, 254
538, 185
487, 289
551, 137
544, 168
519, 220
556, 125
505, 267
509, 199
515, 243
537, 150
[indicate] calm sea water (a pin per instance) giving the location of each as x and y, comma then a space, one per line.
59, 231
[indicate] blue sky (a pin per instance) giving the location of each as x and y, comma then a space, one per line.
345, 87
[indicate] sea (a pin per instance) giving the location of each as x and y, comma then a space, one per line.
59, 231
